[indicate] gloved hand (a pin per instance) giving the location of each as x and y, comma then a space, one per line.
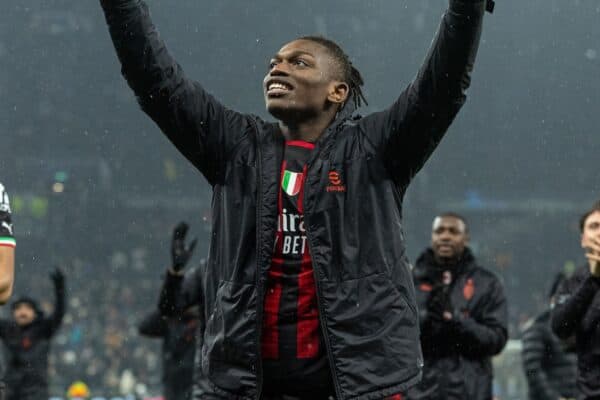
439, 304
58, 278
180, 254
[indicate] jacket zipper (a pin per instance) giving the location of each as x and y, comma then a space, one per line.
259, 288
336, 385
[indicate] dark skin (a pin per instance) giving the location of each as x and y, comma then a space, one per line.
449, 237
303, 91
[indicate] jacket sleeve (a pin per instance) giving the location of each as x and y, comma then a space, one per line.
202, 129
571, 306
486, 334
153, 325
535, 345
180, 292
3, 327
407, 132
52, 323
170, 301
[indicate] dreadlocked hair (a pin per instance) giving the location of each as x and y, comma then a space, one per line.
349, 73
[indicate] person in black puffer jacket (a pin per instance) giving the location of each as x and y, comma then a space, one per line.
27, 341
307, 291
576, 311
550, 364
463, 317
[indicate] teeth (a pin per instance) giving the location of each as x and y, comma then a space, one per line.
278, 86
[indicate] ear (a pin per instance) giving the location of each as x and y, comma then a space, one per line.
338, 92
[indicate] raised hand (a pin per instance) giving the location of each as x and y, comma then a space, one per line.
58, 278
180, 253
592, 249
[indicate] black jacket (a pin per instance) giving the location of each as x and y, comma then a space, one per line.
178, 348
354, 225
550, 370
577, 312
27, 352
458, 352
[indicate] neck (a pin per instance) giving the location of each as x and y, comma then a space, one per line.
309, 130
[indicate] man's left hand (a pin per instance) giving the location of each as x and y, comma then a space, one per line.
58, 278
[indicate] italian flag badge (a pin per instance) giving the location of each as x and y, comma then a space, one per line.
291, 182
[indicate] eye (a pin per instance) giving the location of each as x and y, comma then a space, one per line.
300, 62
272, 64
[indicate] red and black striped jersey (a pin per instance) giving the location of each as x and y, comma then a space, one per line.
292, 347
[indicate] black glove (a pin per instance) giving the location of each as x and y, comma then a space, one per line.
439, 302
58, 278
180, 254
490, 5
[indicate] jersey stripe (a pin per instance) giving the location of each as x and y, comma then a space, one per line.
8, 242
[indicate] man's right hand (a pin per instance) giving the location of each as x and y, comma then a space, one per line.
180, 253
592, 248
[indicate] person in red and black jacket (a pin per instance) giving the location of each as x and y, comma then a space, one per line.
7, 248
463, 316
307, 291
27, 340
576, 311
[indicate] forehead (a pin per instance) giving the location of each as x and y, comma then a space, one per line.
448, 222
23, 306
302, 46
593, 218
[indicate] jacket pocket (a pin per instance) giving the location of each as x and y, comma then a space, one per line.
230, 347
373, 334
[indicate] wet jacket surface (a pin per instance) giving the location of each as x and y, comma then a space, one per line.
27, 351
354, 224
577, 313
550, 370
458, 353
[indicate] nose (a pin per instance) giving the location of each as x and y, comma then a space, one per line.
279, 69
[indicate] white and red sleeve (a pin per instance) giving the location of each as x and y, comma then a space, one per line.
6, 228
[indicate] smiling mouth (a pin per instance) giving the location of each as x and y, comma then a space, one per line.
278, 88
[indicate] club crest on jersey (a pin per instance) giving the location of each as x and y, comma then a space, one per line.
292, 182
335, 182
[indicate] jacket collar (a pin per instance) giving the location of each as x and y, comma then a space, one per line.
427, 265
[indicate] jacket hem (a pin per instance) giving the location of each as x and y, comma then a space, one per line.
391, 390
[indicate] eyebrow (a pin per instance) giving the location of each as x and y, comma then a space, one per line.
294, 53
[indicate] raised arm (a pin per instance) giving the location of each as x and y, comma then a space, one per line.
571, 305
7, 248
179, 290
408, 131
198, 125
53, 322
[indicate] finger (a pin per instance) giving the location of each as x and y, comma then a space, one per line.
595, 241
591, 247
592, 257
192, 245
